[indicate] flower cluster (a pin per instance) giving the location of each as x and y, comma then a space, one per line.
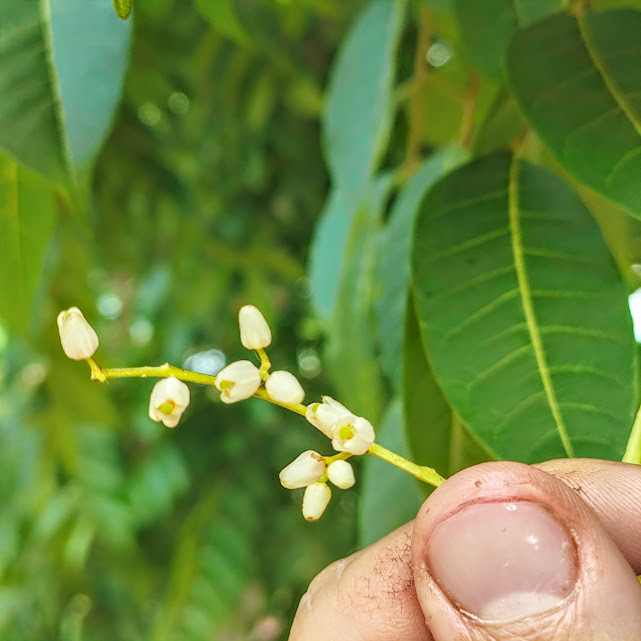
350, 434
312, 471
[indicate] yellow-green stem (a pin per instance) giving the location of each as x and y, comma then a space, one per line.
162, 371
341, 456
264, 364
421, 472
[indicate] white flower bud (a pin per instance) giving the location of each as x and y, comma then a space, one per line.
284, 387
341, 474
324, 415
169, 399
254, 330
315, 500
306, 468
238, 381
78, 338
352, 434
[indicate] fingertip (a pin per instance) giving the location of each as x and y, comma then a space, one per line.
507, 550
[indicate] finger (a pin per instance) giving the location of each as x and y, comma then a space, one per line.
613, 491
504, 551
369, 596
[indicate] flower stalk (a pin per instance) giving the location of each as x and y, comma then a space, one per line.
350, 435
421, 472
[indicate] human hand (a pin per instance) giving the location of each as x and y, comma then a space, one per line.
501, 551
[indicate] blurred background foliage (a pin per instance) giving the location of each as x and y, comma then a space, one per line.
218, 153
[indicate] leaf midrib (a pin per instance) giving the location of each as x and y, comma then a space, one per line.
44, 13
528, 307
609, 81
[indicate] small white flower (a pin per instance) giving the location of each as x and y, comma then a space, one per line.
315, 500
324, 415
238, 381
254, 330
352, 434
169, 399
306, 468
78, 338
284, 387
341, 474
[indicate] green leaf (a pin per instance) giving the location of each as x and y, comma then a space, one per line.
393, 268
350, 350
486, 27
27, 218
501, 125
436, 436
222, 15
621, 232
61, 70
523, 314
427, 414
327, 251
360, 104
389, 497
576, 82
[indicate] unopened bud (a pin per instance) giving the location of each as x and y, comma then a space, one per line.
324, 415
306, 468
78, 338
238, 381
315, 500
169, 399
341, 474
254, 330
352, 434
284, 387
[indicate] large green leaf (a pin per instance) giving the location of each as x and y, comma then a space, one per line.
436, 436
389, 497
350, 348
523, 313
576, 80
487, 26
27, 217
61, 70
393, 266
360, 104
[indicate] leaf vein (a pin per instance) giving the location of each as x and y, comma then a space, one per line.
609, 81
480, 313
528, 308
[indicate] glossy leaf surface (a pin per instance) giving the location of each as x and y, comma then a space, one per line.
576, 80
53, 111
523, 314
487, 26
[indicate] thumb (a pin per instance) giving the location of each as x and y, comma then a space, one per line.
506, 551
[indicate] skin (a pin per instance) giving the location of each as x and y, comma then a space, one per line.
406, 587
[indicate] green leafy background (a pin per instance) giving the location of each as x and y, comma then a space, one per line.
435, 203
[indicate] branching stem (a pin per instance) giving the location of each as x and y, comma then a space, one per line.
425, 474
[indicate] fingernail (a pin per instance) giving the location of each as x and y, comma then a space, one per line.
499, 561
